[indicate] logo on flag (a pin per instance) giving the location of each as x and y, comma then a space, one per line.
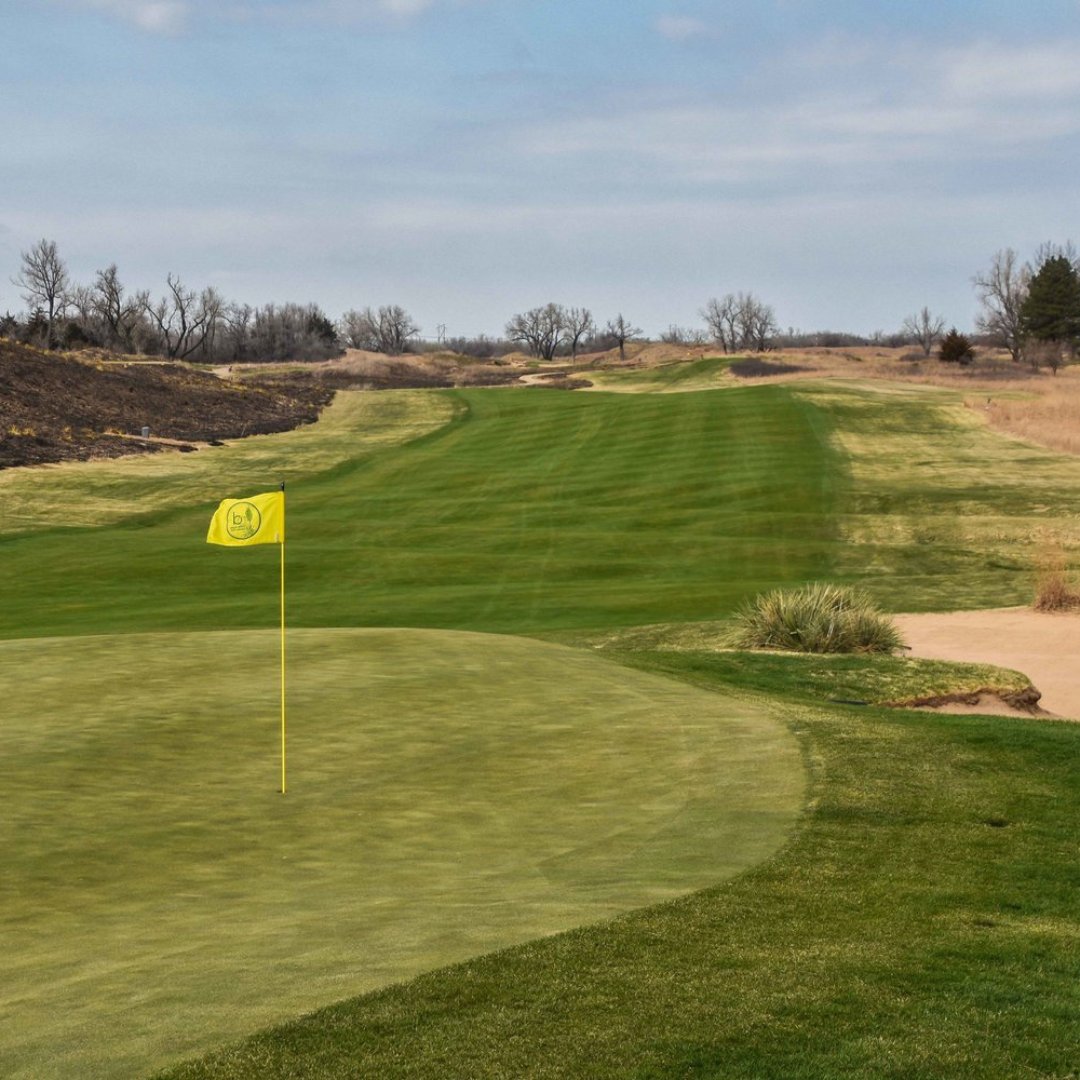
244, 520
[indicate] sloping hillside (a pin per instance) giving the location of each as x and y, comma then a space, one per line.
60, 407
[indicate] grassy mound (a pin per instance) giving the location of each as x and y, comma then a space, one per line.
449, 794
817, 618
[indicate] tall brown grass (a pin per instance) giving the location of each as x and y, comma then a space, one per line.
1053, 590
1049, 417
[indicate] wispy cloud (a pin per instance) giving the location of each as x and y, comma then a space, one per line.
681, 27
153, 16
934, 106
174, 16
988, 71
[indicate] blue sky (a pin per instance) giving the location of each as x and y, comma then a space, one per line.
848, 162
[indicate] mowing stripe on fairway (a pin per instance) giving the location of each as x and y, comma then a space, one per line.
532, 510
450, 794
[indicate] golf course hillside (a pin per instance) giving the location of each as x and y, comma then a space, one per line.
541, 818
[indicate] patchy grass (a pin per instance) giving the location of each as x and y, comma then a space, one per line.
836, 679
942, 512
705, 373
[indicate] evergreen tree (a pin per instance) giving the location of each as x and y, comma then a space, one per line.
955, 348
1051, 311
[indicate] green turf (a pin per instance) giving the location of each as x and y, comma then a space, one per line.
450, 794
77, 494
535, 511
862, 951
838, 679
532, 510
922, 925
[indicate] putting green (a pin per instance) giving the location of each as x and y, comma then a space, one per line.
450, 794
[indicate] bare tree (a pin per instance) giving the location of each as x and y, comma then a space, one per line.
358, 329
1050, 250
119, 313
1002, 291
396, 327
684, 335
722, 319
577, 323
924, 329
757, 323
236, 331
387, 330
183, 318
541, 330
44, 281
740, 322
622, 332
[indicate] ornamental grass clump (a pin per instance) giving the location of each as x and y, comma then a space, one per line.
817, 618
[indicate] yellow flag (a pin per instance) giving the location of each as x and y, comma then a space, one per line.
241, 522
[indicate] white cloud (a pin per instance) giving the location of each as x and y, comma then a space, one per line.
174, 16
987, 71
153, 16
681, 27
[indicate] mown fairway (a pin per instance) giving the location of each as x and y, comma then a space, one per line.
531, 510
933, 849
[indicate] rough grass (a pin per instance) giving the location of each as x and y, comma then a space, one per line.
817, 618
80, 494
704, 373
1046, 412
942, 512
1053, 589
449, 794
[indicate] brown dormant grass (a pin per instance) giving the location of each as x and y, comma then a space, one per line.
1049, 414
1038, 407
1053, 590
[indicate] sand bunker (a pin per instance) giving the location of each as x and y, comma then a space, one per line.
1043, 646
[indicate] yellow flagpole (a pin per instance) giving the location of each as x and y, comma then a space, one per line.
283, 643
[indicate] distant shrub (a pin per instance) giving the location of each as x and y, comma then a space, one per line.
955, 348
817, 618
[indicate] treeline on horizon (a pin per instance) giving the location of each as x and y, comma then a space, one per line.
1031, 309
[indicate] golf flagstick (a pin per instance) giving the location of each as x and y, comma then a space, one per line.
283, 643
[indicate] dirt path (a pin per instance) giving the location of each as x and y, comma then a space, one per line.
1045, 647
